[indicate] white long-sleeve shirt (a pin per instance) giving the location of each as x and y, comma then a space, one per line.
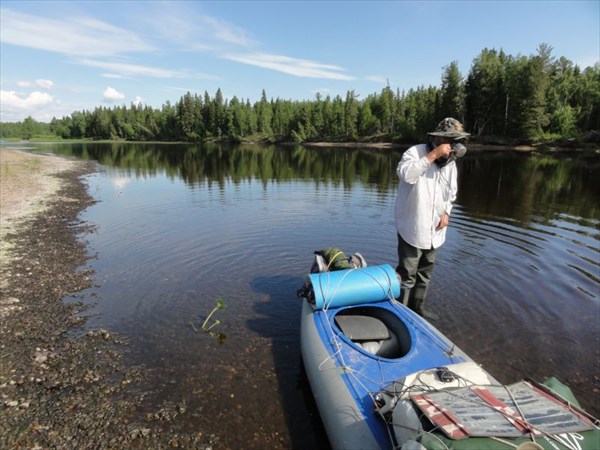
425, 194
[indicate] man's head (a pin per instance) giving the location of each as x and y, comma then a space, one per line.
450, 129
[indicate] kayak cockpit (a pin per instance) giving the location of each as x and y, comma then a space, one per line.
375, 330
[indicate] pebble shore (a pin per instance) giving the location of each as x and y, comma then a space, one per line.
63, 385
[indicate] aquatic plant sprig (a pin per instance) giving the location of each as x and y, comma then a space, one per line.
220, 305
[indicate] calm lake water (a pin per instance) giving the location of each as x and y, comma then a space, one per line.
517, 283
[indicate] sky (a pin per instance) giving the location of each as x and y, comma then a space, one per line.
57, 57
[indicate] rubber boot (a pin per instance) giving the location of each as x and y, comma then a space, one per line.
416, 304
404, 295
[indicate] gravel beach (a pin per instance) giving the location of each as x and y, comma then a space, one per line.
63, 385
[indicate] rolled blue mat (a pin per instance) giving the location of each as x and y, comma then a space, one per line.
354, 286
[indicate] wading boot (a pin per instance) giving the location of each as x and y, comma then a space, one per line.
417, 306
404, 295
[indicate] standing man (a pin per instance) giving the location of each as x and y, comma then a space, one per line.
427, 188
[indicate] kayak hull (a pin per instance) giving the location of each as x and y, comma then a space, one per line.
343, 376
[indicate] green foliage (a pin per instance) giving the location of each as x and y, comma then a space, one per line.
485, 94
220, 305
452, 101
501, 96
368, 123
24, 130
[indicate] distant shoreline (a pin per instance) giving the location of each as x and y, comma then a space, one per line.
472, 146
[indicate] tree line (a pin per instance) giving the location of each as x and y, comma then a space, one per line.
502, 96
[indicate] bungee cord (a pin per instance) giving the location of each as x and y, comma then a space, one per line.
533, 430
324, 286
337, 345
398, 391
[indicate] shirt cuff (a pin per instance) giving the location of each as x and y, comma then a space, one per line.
424, 163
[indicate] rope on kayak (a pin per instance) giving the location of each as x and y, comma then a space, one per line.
334, 340
401, 390
532, 429
327, 303
358, 376
435, 338
337, 345
325, 278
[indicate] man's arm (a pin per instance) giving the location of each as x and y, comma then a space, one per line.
412, 166
442, 150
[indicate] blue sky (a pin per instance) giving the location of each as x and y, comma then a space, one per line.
60, 57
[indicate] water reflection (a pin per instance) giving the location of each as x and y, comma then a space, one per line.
199, 164
517, 281
516, 186
532, 188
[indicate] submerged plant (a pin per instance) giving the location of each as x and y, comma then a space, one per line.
220, 305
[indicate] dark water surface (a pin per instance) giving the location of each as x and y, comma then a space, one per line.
517, 283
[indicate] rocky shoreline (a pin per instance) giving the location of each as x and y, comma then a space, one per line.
63, 385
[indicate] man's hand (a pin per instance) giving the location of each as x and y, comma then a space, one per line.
441, 151
444, 221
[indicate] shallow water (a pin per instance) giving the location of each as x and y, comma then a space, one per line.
517, 282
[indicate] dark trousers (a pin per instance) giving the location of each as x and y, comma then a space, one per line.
415, 268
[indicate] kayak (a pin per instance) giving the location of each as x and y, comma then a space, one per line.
385, 378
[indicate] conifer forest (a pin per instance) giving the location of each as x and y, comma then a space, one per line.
502, 97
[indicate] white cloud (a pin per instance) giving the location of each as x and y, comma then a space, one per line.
110, 94
293, 66
228, 33
125, 69
11, 99
177, 89
138, 101
114, 76
377, 79
46, 84
15, 106
180, 25
72, 36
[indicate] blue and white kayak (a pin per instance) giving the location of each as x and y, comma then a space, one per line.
379, 374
